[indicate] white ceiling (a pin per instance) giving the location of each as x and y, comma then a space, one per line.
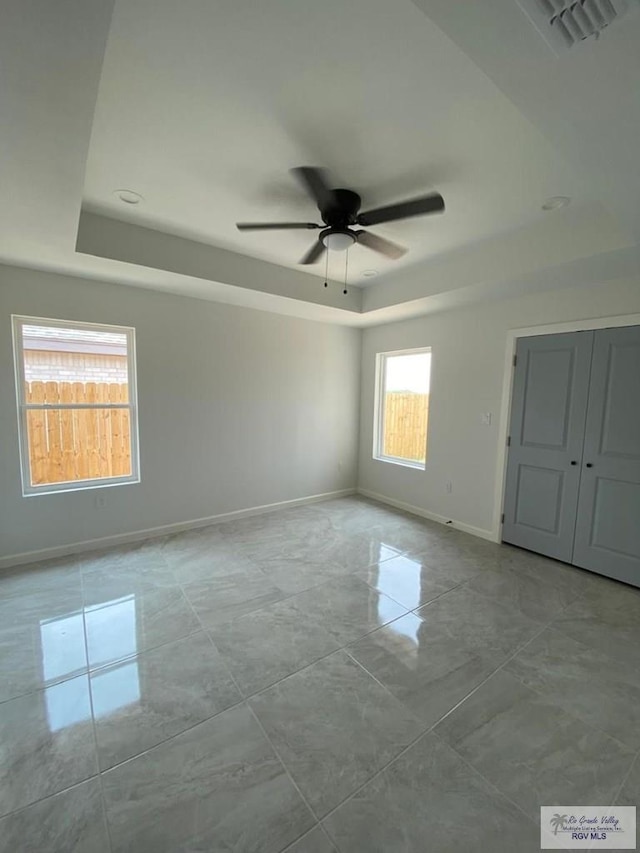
204, 107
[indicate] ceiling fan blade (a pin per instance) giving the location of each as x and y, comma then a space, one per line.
273, 226
314, 253
315, 182
380, 244
433, 203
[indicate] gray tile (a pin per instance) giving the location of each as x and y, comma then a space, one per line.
144, 557
438, 544
225, 598
215, 788
407, 536
201, 555
46, 743
319, 545
410, 580
429, 799
70, 822
41, 640
423, 666
533, 751
40, 578
630, 792
351, 551
197, 540
475, 546
333, 726
135, 622
451, 560
569, 579
144, 700
263, 647
41, 603
432, 659
606, 617
278, 537
478, 623
295, 574
104, 585
536, 598
315, 841
585, 682
354, 515
347, 608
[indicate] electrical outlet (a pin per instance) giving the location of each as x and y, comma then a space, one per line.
449, 486
100, 501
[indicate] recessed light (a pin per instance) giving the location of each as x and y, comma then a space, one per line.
128, 196
556, 202
369, 273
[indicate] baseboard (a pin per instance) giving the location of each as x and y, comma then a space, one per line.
432, 516
162, 530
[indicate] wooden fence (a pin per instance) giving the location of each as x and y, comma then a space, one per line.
77, 444
405, 425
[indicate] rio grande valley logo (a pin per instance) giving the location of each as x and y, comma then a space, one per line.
557, 821
593, 827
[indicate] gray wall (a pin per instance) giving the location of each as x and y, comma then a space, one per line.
240, 408
237, 408
467, 369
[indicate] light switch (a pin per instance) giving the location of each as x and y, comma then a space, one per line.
485, 418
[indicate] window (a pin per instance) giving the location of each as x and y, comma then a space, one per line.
402, 407
76, 404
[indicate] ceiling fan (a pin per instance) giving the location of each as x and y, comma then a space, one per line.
340, 210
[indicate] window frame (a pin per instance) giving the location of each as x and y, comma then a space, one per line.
378, 411
28, 490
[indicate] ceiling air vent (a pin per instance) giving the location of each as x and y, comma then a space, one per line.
565, 23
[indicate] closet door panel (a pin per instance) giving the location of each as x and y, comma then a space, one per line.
608, 526
548, 411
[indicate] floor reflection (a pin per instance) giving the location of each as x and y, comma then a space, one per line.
407, 628
114, 629
62, 642
401, 639
386, 552
400, 578
115, 688
63, 655
67, 703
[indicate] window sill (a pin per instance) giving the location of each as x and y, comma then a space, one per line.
78, 486
403, 463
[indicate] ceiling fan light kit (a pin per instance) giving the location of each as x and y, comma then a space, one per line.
337, 240
340, 211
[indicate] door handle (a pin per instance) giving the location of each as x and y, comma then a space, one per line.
574, 461
589, 465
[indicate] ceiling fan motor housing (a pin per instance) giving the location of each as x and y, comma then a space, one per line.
342, 208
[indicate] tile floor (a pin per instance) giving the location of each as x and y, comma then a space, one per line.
336, 677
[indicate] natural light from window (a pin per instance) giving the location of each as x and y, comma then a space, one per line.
114, 635
76, 397
402, 407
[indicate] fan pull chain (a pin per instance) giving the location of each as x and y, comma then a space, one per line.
326, 269
346, 271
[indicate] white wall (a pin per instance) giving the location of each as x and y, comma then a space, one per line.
238, 408
468, 359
